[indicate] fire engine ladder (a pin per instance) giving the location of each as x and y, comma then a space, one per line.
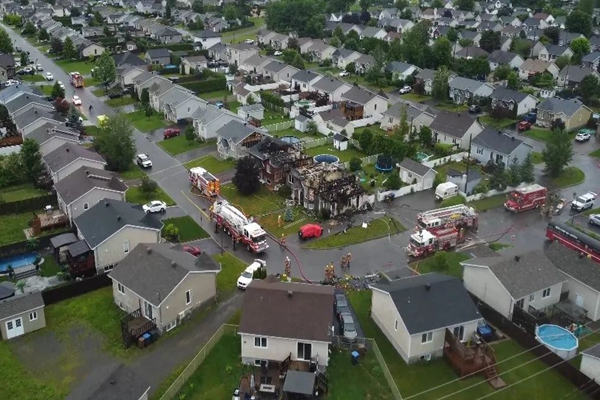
445, 213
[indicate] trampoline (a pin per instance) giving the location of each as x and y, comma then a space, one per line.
384, 163
290, 139
326, 158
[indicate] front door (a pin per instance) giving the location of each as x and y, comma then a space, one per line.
14, 328
148, 310
304, 351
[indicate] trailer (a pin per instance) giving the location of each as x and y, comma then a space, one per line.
526, 198
76, 79
458, 216
425, 242
205, 182
241, 229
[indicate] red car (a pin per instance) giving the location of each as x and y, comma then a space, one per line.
171, 132
192, 250
524, 126
310, 230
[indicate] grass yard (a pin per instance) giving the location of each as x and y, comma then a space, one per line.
569, 177
377, 228
344, 156
49, 267
121, 101
488, 202
91, 130
217, 95
134, 172
99, 92
242, 34
496, 123
46, 89
456, 165
452, 201
269, 222
144, 123
179, 144
595, 153
257, 204
417, 98
13, 226
231, 268
541, 134
83, 67
188, 228
453, 268
211, 164
370, 172
32, 78
134, 195
273, 117
537, 158
20, 192
375, 128
592, 211
305, 136
498, 246
92, 82
417, 378
453, 107
233, 106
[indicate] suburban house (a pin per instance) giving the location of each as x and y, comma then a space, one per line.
499, 57
590, 363
415, 312
111, 229
24, 102
237, 53
158, 57
572, 112
51, 136
235, 137
572, 75
174, 284
251, 111
114, 381
533, 67
400, 71
89, 49
193, 64
425, 76
462, 90
454, 128
279, 71
471, 52
333, 120
7, 67
21, 314
515, 103
68, 158
207, 120
342, 57
371, 103
529, 281
86, 187
128, 58
207, 39
553, 52
466, 182
179, 105
415, 173
281, 320
591, 60
332, 87
303, 80
497, 147
416, 116
127, 74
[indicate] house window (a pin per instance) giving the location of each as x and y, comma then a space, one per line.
531, 298
480, 151
520, 303
426, 357
260, 363
546, 293
427, 337
375, 107
108, 268
396, 325
120, 288
459, 332
409, 175
171, 325
390, 120
33, 316
86, 206
126, 246
260, 342
188, 297
304, 351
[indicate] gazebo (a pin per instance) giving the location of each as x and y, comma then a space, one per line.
299, 385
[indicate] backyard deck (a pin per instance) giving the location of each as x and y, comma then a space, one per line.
48, 220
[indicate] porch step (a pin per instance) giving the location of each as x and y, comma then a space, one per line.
25, 272
497, 383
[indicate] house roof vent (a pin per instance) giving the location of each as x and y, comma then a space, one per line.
106, 204
173, 264
118, 217
148, 250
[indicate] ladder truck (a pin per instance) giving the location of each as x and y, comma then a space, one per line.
205, 182
238, 226
461, 216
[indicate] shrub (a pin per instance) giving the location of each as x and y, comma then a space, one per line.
355, 164
442, 150
171, 232
285, 191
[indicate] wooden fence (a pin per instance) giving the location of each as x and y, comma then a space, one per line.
75, 288
31, 204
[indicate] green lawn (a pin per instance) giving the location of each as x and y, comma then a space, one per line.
569, 177
83, 67
496, 123
595, 153
417, 98
231, 268
453, 107
121, 101
13, 226
134, 195
454, 267
375, 128
592, 211
377, 228
488, 202
498, 246
211, 164
273, 117
49, 267
188, 228
369, 172
242, 34
91, 82
46, 89
257, 204
99, 92
233, 106
417, 378
33, 78
269, 222
179, 144
134, 172
216, 95
537, 158
344, 156
20, 192
144, 123
293, 132
91, 130
452, 201
541, 134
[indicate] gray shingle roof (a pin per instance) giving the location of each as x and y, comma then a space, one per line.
25, 99
569, 262
397, 66
465, 84
153, 270
50, 130
359, 95
592, 57
35, 113
328, 85
452, 124
414, 167
499, 142
568, 107
501, 57
236, 131
158, 53
531, 273
472, 51
85, 179
575, 72
67, 153
17, 305
14, 89
445, 302
425, 74
305, 76
505, 94
556, 50
106, 218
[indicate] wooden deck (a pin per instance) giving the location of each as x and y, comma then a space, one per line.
136, 324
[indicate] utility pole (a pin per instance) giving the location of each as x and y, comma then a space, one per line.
468, 163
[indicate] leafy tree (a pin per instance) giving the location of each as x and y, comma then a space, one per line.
69, 51
365, 140
73, 115
56, 45
579, 22
589, 87
31, 160
351, 44
24, 58
490, 41
498, 178
6, 43
355, 164
465, 5
351, 68
75, 12
440, 262
543, 80
246, 178
403, 127
586, 6
452, 35
580, 47
364, 4
98, 18
230, 12
401, 4
298, 61
415, 44
168, 12
142, 44
395, 50
339, 33
437, 4
562, 61
115, 141
57, 91
287, 55
552, 33
29, 29
145, 97
502, 71
190, 134
340, 5
105, 70
513, 81
526, 171
521, 47
62, 106
425, 136
442, 52
24, 2
4, 116
393, 181
513, 174
439, 85
312, 128
43, 35
465, 42
148, 187
170, 231
558, 153
305, 17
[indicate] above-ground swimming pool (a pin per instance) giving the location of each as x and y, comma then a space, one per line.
326, 158
17, 261
290, 139
558, 340
422, 156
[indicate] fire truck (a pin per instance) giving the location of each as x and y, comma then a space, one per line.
239, 227
76, 79
441, 229
205, 182
526, 198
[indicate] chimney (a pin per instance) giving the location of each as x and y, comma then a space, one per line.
499, 132
428, 287
67, 149
290, 293
106, 204
112, 382
87, 173
512, 137
517, 258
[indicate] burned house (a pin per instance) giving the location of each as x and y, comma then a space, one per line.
277, 158
326, 186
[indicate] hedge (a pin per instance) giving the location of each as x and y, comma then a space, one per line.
270, 98
65, 21
173, 47
248, 24
210, 85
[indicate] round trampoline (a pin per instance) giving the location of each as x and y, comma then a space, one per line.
290, 139
384, 163
326, 158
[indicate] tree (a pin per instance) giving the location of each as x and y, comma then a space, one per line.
289, 215
586, 6
393, 181
452, 35
73, 116
43, 35
440, 262
305, 17
98, 18
425, 136
513, 81
437, 4
312, 128
552, 33
465, 5
142, 44
365, 140
57, 91
439, 85
75, 12
115, 141
31, 160
69, 51
171, 232
105, 70
465, 42
401, 4
579, 22
403, 127
580, 47
364, 5
148, 187
351, 68
4, 116
415, 44
56, 45
145, 97
501, 72
351, 44
246, 178
521, 47
562, 61
298, 61
62, 106
6, 43
526, 171
340, 5
24, 58
190, 133
198, 7
355, 164
29, 29
558, 153
513, 175
287, 55
230, 12
168, 12
442, 52
589, 87
490, 41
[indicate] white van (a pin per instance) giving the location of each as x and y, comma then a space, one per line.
446, 190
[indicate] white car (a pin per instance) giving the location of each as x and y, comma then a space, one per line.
62, 86
594, 219
344, 73
143, 161
405, 89
582, 137
76, 100
17, 64
155, 206
39, 67
249, 41
11, 82
49, 76
277, 53
584, 201
246, 277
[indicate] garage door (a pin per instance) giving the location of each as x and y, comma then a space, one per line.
14, 328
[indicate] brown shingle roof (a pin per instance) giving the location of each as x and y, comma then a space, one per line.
269, 310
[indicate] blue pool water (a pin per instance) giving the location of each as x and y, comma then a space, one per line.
17, 261
557, 337
326, 158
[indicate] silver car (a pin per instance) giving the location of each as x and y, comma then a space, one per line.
595, 219
348, 327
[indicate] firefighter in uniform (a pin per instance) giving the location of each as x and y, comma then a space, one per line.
348, 259
344, 263
288, 267
283, 240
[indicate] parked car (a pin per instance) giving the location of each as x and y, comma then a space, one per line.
236, 395
474, 109
531, 117
348, 327
524, 126
344, 73
155, 206
26, 71
584, 135
405, 89
115, 95
249, 41
584, 201
39, 67
143, 161
171, 132
61, 85
49, 76
195, 251
246, 277
310, 230
17, 49
340, 304
76, 100
594, 219
277, 53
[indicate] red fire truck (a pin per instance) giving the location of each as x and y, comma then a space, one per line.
526, 198
459, 216
205, 182
242, 229
574, 239
76, 79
